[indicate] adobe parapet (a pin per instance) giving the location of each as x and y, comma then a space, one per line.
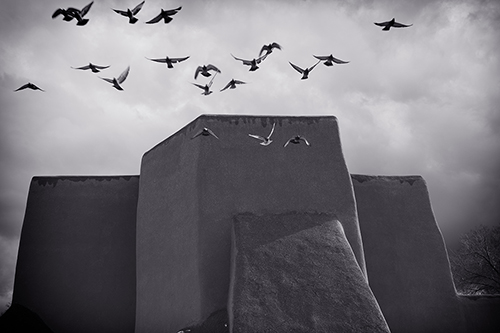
192, 187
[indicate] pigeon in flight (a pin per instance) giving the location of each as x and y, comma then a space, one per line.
70, 13
252, 63
266, 141
116, 81
205, 132
204, 70
296, 140
29, 85
232, 84
269, 48
165, 15
392, 24
130, 13
169, 61
206, 87
92, 67
329, 60
304, 72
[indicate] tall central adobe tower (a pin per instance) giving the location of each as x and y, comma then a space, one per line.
190, 189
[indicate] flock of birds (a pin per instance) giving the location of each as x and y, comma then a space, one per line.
71, 13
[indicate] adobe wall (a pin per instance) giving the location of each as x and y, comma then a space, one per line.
76, 260
191, 189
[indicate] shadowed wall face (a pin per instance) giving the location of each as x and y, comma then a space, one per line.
76, 261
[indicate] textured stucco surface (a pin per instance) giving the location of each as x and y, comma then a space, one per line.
76, 261
296, 272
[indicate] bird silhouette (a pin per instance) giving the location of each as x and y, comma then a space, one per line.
29, 85
304, 72
206, 87
130, 13
296, 140
392, 24
252, 63
116, 81
329, 60
71, 13
169, 61
165, 15
205, 132
269, 48
266, 141
232, 84
92, 67
205, 70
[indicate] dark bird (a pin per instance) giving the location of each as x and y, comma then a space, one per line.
304, 72
265, 140
29, 85
92, 67
169, 61
269, 48
206, 87
232, 84
296, 140
130, 13
252, 63
204, 70
116, 81
205, 132
71, 13
165, 15
391, 24
329, 60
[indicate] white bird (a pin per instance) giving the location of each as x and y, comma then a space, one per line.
169, 61
205, 132
329, 60
252, 63
269, 48
232, 84
392, 24
206, 87
266, 141
304, 72
92, 67
116, 81
204, 70
296, 140
130, 13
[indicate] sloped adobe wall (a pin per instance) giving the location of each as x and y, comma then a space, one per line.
76, 261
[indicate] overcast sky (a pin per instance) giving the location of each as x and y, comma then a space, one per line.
420, 100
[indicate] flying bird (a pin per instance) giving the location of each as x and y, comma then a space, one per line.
329, 60
232, 84
116, 81
70, 13
304, 72
266, 141
269, 48
252, 63
206, 87
130, 13
165, 15
296, 140
205, 132
204, 70
92, 67
169, 61
29, 85
391, 24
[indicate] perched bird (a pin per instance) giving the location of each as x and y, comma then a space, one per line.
329, 60
206, 87
269, 48
296, 140
29, 85
92, 67
165, 15
232, 84
130, 13
71, 13
116, 81
204, 70
265, 140
205, 132
252, 63
169, 61
391, 24
304, 72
